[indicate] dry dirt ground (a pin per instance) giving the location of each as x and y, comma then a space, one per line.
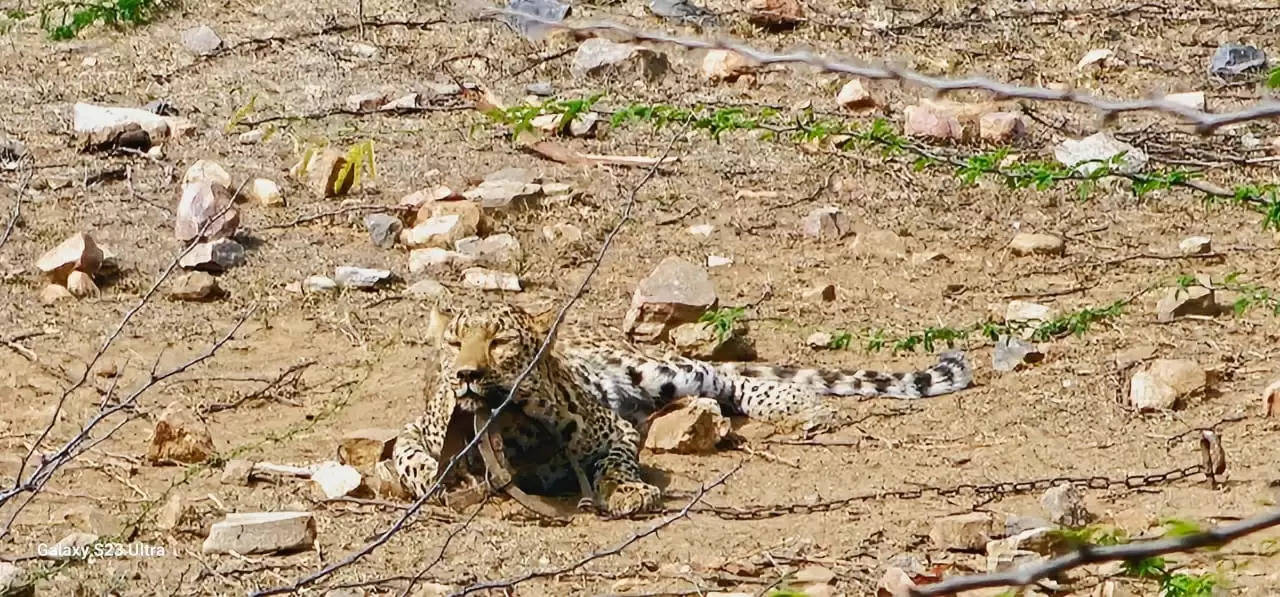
363, 361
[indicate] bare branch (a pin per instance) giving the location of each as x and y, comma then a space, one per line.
17, 204
1204, 122
1094, 554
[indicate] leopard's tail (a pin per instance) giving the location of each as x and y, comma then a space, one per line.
950, 374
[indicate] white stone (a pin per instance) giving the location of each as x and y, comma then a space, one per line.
336, 480
94, 120
487, 279
261, 532
363, 278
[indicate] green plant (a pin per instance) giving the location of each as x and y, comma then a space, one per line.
1251, 295
840, 340
723, 320
359, 158
240, 114
75, 16
1273, 78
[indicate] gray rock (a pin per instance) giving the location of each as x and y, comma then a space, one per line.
426, 288
546, 9
827, 223
383, 229
962, 532
1010, 352
435, 259
205, 211
1090, 153
601, 57
14, 581
498, 249
318, 284
1065, 506
201, 40
541, 89
161, 107
682, 11
219, 255
360, 277
1195, 245
1196, 299
1232, 59
261, 532
675, 292
12, 150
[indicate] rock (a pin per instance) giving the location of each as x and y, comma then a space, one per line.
540, 89
854, 96
1095, 57
320, 173
496, 250
821, 293
207, 171
1065, 506
687, 426
487, 279
360, 277
205, 212
426, 288
14, 582
503, 194
775, 13
403, 103
598, 56
682, 11
219, 255
336, 480
261, 532
1026, 312
702, 230
251, 137
264, 192
561, 190
675, 292
201, 40
1015, 524
1027, 243
1011, 552
421, 199
1146, 393
547, 9
81, 285
562, 234
1233, 59
1190, 99
927, 121
725, 65
435, 259
439, 231
581, 126
365, 448
1166, 383
383, 229
365, 102
819, 340
718, 261
895, 582
1195, 299
77, 253
814, 581
318, 284
826, 223
195, 286
237, 472
700, 341
1271, 399
53, 293
445, 203
1010, 353
1090, 153
180, 437
1195, 245
884, 244
104, 126
174, 513
962, 532
1001, 127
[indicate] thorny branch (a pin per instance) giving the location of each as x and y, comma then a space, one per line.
1094, 554
507, 585
1204, 122
515, 385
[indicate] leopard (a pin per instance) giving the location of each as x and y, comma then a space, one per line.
593, 393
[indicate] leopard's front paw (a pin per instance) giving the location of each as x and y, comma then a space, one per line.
631, 498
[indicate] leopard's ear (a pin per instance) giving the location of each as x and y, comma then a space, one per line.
436, 323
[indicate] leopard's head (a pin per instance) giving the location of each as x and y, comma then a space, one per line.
483, 350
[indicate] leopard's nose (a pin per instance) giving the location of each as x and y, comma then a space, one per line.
468, 375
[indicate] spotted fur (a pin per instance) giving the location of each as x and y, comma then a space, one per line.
596, 393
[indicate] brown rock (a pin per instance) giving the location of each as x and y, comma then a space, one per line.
237, 472
179, 437
854, 96
365, 448
687, 427
54, 293
468, 212
195, 286
675, 292
700, 341
725, 65
174, 513
895, 582
205, 211
366, 102
827, 223
1196, 299
207, 171
77, 252
1027, 243
320, 174
1271, 399
962, 532
926, 121
775, 13
1001, 127
80, 285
